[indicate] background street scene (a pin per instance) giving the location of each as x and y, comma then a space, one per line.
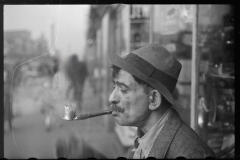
30, 137
58, 55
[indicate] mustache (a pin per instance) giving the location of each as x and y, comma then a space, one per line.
115, 108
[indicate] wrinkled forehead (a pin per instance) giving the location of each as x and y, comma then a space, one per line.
124, 77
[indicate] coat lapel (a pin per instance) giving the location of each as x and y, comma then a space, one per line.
164, 139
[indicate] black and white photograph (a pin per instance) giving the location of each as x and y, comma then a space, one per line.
110, 81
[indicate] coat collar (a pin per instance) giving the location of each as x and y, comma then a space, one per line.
165, 137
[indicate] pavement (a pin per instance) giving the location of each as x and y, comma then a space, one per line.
29, 138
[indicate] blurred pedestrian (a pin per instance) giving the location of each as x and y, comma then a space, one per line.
48, 106
144, 82
93, 78
76, 72
55, 65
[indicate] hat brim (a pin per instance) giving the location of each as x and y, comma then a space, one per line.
121, 63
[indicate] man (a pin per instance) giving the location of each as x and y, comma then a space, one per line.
142, 97
77, 74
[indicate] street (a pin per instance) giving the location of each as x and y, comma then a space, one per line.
30, 139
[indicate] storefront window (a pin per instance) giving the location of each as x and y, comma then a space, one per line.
140, 26
216, 46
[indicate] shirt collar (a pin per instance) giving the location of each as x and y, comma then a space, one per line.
146, 141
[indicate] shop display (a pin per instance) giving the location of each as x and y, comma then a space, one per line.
217, 121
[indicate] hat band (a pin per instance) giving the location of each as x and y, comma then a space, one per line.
151, 72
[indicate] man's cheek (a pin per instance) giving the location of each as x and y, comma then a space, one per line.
127, 105
126, 101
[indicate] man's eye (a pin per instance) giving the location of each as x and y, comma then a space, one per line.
124, 90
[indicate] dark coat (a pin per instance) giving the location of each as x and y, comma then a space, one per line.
177, 140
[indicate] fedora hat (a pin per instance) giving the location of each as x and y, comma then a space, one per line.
154, 65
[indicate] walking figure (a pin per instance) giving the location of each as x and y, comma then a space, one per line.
77, 73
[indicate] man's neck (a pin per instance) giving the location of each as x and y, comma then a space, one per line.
153, 119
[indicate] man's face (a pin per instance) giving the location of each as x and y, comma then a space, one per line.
130, 96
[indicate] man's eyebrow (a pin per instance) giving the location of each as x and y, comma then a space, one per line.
121, 84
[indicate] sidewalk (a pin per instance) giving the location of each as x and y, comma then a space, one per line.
29, 138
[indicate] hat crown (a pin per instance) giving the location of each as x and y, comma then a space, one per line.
160, 58
154, 65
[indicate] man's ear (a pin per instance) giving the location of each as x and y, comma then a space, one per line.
155, 99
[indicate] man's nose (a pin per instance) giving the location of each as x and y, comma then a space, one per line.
114, 98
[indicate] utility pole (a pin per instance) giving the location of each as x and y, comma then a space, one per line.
195, 71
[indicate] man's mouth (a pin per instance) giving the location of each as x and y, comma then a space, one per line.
115, 108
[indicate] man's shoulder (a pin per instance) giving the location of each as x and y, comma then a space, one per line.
179, 140
188, 143
186, 136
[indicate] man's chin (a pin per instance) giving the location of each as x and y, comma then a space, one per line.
119, 121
